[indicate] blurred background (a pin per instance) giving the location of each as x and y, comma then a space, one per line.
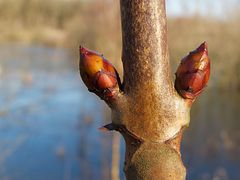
49, 121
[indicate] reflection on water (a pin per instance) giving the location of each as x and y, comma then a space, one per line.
211, 145
47, 126
48, 123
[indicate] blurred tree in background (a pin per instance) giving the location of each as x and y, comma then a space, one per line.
96, 24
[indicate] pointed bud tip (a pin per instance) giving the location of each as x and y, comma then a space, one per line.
193, 73
82, 50
86, 51
203, 47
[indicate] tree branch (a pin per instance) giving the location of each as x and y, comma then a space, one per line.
147, 110
145, 50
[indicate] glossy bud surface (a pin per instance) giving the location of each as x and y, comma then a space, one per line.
193, 73
98, 74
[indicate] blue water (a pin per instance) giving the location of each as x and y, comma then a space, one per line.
48, 120
49, 123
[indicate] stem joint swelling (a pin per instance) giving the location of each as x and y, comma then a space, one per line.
102, 79
148, 111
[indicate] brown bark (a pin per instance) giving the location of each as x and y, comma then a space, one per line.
149, 108
146, 108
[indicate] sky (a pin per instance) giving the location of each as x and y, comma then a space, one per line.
214, 8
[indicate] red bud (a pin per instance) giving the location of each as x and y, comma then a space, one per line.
98, 74
193, 73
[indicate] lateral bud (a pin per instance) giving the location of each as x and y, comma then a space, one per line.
98, 74
193, 73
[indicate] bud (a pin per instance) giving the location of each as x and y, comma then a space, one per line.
193, 73
98, 74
